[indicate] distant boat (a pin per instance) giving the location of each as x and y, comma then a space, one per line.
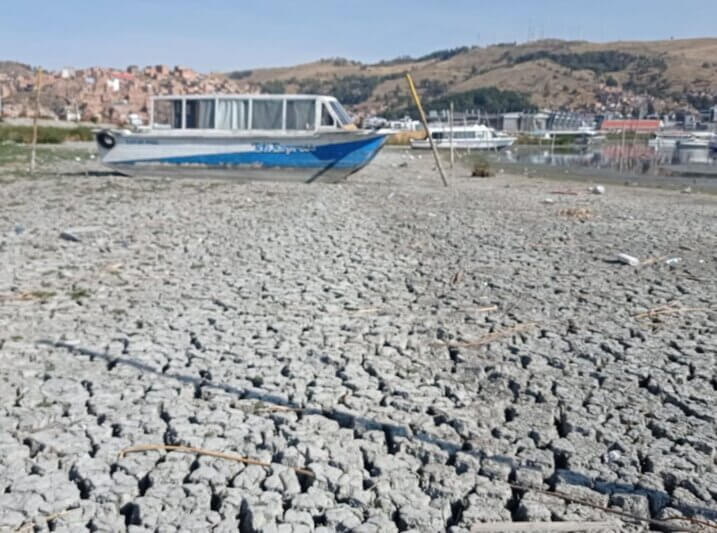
683, 139
697, 139
475, 137
582, 136
302, 138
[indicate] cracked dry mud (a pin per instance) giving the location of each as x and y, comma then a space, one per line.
342, 329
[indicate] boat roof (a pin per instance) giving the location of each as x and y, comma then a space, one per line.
254, 96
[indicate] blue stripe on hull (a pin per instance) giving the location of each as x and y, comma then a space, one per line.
348, 155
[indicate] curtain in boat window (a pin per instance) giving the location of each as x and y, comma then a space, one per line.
266, 115
200, 114
167, 113
177, 114
231, 114
300, 114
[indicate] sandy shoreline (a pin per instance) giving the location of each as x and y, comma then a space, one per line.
417, 348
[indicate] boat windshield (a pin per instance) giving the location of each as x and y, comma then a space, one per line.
246, 112
341, 113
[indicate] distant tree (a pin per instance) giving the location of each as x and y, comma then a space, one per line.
239, 74
611, 82
599, 62
273, 87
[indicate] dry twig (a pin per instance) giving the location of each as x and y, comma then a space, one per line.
364, 311
670, 310
505, 527
30, 526
27, 296
492, 337
663, 524
210, 453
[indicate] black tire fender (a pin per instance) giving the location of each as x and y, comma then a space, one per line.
106, 140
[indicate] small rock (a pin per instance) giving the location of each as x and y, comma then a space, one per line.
548, 201
612, 456
76, 234
673, 260
403, 165
597, 189
628, 259
68, 236
686, 190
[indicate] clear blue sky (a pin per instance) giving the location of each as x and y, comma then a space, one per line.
227, 35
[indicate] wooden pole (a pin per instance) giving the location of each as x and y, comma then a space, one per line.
417, 101
451, 126
38, 81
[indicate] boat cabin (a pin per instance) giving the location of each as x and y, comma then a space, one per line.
462, 132
288, 113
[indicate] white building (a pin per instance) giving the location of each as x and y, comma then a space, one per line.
405, 124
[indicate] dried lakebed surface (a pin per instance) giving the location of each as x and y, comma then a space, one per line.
421, 350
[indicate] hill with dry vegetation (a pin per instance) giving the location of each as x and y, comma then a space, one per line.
655, 76
632, 78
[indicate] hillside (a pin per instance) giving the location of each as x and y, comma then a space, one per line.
633, 78
659, 75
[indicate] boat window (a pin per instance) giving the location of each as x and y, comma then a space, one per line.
266, 114
327, 118
341, 113
200, 114
438, 135
167, 114
231, 114
300, 114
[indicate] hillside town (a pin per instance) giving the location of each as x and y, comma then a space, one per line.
100, 94
121, 97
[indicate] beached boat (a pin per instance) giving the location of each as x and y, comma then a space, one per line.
475, 137
256, 137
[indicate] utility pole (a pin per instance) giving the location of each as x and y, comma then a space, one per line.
38, 81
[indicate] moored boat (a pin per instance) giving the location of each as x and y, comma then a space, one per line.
255, 137
669, 139
475, 137
698, 139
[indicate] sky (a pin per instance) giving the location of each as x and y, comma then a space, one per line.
222, 35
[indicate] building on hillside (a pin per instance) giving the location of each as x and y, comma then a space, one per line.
570, 121
405, 124
635, 125
511, 122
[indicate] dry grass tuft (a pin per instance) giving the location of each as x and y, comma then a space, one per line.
578, 213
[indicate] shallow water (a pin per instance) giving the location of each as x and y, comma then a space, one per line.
631, 159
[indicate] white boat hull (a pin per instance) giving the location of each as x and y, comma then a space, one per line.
496, 143
326, 157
